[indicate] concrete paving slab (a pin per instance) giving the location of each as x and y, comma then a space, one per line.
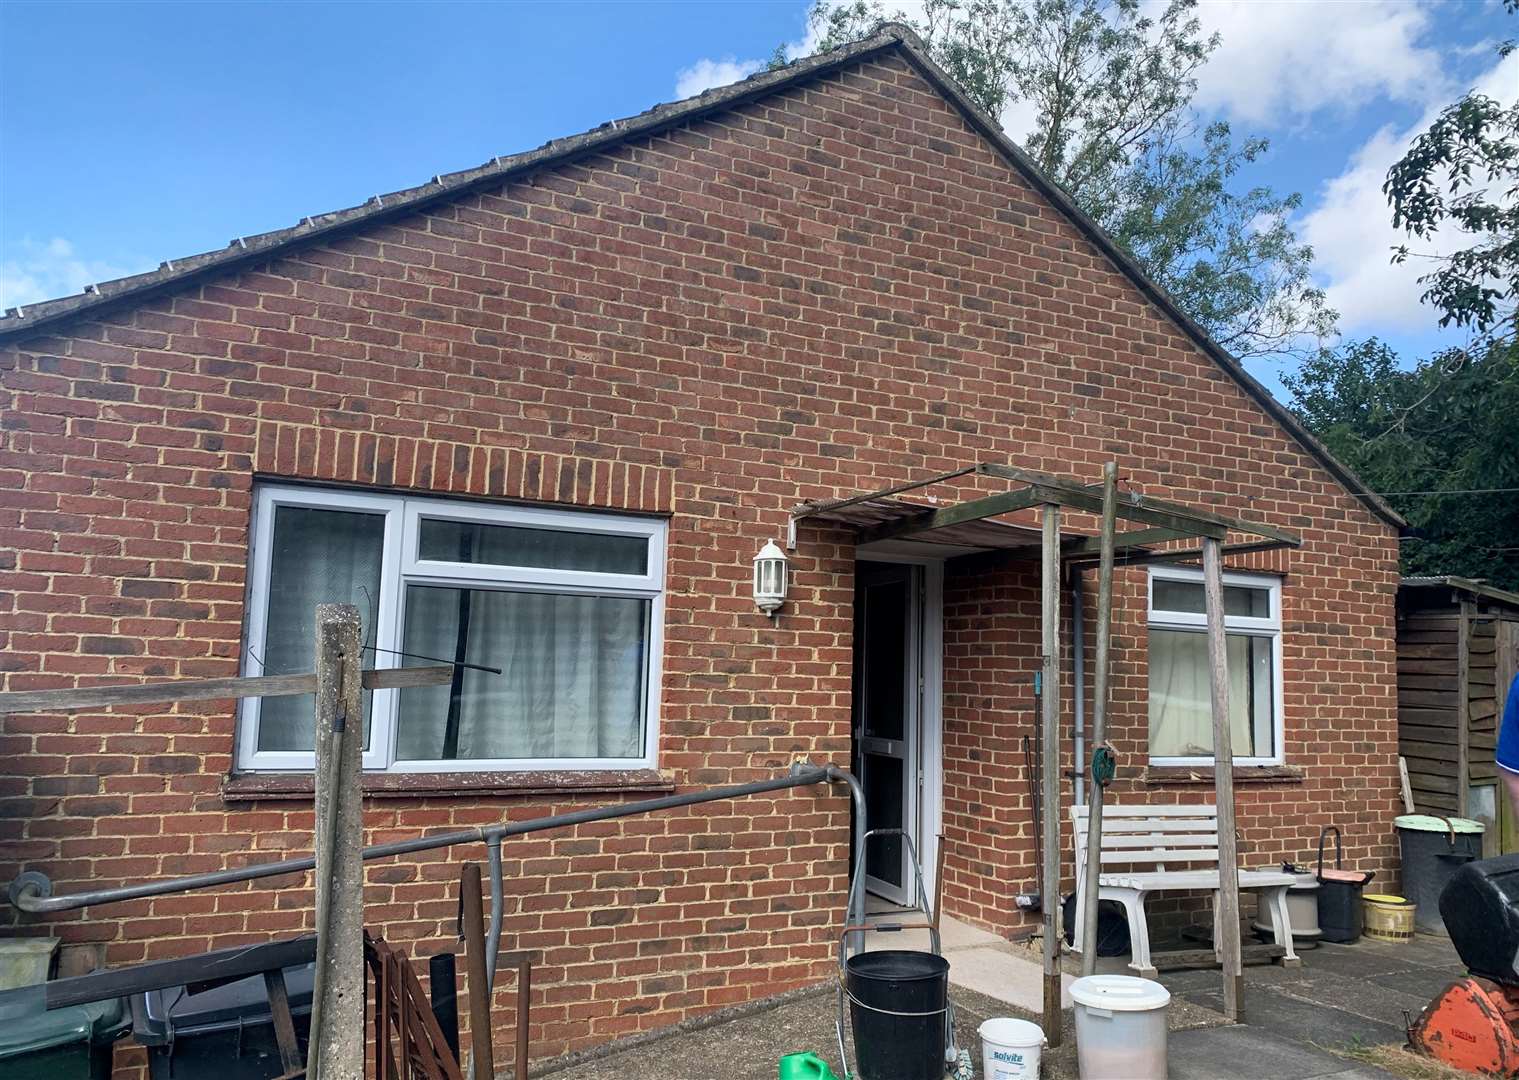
1004, 977
1305, 1022
1250, 1051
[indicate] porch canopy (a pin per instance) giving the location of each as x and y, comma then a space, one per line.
976, 525
879, 515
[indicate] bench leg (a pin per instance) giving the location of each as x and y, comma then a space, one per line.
1133, 901
1277, 898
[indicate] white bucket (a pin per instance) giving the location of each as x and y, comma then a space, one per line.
1010, 1049
1120, 1027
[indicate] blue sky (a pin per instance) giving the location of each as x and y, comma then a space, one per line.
132, 133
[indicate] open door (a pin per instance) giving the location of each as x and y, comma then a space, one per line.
887, 717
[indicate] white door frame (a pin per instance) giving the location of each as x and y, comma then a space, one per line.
930, 748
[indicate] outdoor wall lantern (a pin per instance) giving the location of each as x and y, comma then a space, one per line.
770, 578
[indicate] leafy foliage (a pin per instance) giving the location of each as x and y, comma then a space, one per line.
1110, 83
1464, 172
1450, 424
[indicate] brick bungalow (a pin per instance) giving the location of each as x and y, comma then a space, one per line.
547, 411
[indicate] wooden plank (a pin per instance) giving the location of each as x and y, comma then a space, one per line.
1431, 733
1140, 810
1483, 709
1092, 545
1410, 665
482, 1054
1428, 650
1175, 959
1408, 793
1427, 619
1132, 506
1428, 802
1429, 751
1427, 637
91, 697
222, 965
1430, 781
976, 509
1428, 699
1223, 780
1444, 682
1432, 717
1463, 711
1049, 638
1107, 542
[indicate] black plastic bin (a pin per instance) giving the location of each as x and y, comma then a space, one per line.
72, 1043
1434, 848
899, 1001
1480, 907
225, 1033
1341, 916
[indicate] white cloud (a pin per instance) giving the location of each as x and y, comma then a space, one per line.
1281, 62
707, 73
1352, 235
45, 270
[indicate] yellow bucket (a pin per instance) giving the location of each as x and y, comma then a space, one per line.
1388, 918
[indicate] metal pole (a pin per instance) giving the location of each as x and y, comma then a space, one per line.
31, 891
1050, 796
1226, 923
1090, 889
336, 1047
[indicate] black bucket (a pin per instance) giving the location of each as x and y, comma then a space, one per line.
1341, 915
898, 1005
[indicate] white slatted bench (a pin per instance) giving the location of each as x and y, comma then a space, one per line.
1153, 849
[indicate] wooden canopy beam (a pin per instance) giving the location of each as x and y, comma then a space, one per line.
1092, 545
1130, 501
1144, 557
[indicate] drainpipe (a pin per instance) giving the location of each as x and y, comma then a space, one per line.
1079, 648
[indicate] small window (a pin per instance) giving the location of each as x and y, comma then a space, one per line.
1181, 709
566, 603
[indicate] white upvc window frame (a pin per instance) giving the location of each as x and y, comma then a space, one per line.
402, 567
1269, 627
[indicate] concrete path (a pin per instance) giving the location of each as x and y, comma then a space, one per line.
1295, 1018
978, 960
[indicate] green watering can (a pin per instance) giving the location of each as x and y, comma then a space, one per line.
807, 1066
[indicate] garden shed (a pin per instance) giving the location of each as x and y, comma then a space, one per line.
1458, 641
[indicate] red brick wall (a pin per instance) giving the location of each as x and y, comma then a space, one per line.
838, 288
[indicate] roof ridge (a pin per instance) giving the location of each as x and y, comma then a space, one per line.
247, 250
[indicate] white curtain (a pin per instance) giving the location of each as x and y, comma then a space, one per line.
573, 669
1181, 709
316, 557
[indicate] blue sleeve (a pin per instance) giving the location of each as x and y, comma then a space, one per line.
1508, 731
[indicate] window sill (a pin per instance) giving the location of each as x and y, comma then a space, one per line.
1156, 775
256, 787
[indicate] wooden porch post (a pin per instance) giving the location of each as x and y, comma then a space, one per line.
1050, 767
1226, 922
1093, 868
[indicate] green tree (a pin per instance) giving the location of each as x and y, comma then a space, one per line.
1448, 426
1110, 83
1462, 175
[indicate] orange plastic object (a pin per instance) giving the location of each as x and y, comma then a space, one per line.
1471, 1025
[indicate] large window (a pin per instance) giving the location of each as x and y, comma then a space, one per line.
1181, 710
567, 604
